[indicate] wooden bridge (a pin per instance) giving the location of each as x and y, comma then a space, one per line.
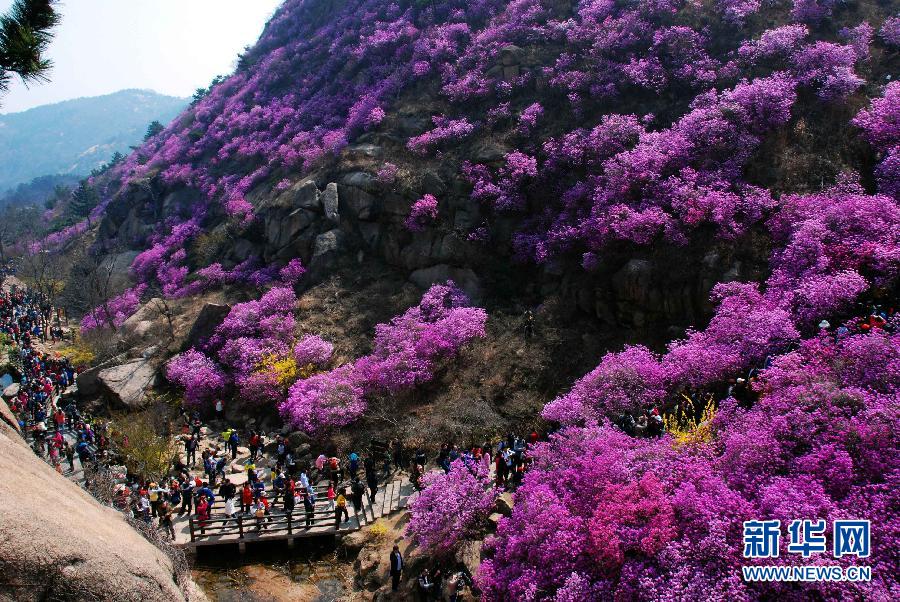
281, 526
390, 497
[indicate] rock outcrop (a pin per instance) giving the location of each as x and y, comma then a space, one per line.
125, 385
206, 323
59, 543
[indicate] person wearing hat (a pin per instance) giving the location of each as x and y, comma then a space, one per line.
144, 505
155, 499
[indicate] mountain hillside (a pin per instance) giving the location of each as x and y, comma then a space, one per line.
76, 136
451, 220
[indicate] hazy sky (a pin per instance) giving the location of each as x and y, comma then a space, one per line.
171, 46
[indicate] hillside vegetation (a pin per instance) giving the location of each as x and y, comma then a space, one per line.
703, 182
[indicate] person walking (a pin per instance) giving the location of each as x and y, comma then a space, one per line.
330, 495
70, 455
165, 519
357, 491
396, 564
233, 441
372, 482
246, 498
187, 496
309, 507
190, 447
340, 509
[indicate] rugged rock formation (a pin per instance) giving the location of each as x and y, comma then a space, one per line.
210, 316
125, 385
59, 543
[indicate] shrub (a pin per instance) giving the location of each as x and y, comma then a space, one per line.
451, 507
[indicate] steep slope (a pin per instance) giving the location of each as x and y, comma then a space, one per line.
720, 175
59, 543
76, 136
614, 159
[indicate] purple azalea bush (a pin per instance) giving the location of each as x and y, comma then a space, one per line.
114, 312
200, 377
406, 353
451, 507
423, 212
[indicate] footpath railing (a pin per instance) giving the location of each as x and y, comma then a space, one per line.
298, 523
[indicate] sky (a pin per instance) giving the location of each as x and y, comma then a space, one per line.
170, 46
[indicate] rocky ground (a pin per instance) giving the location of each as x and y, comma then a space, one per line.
59, 543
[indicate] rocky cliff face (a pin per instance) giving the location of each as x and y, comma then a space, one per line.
347, 213
58, 543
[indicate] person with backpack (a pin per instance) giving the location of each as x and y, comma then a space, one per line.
187, 496
340, 509
219, 469
277, 486
259, 511
354, 465
70, 455
165, 519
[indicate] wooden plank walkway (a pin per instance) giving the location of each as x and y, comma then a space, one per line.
279, 526
390, 497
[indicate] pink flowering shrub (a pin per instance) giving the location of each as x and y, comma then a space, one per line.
529, 117
628, 381
291, 273
405, 354
451, 507
314, 350
812, 11
387, 173
737, 11
200, 377
880, 124
890, 31
113, 313
640, 519
423, 212
445, 130
250, 333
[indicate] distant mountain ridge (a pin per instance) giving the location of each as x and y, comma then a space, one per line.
75, 136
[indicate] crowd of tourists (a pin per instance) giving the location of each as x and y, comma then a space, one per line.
205, 483
25, 320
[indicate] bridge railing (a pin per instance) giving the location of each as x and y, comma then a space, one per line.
298, 522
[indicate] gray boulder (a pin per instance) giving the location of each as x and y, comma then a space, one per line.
209, 318
329, 242
298, 438
307, 196
464, 278
504, 504
125, 385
